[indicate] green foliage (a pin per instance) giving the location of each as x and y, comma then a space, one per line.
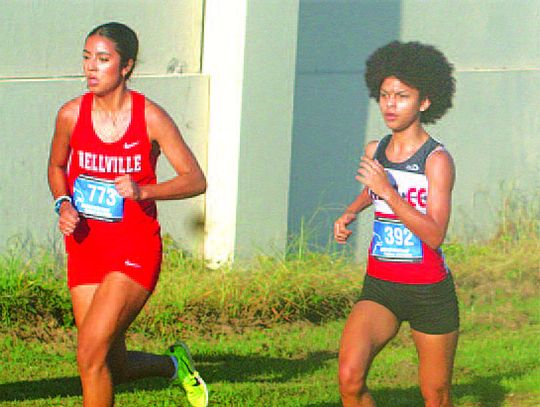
263, 292
30, 287
519, 215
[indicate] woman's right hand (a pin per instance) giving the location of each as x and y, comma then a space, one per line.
69, 218
341, 233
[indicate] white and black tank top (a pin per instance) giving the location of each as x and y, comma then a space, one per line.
395, 253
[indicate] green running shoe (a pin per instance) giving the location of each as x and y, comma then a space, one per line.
187, 377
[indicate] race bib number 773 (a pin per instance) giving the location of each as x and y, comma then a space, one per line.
97, 198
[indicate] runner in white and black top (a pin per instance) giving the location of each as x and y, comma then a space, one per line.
394, 243
409, 178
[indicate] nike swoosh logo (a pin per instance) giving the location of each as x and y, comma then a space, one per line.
127, 146
131, 264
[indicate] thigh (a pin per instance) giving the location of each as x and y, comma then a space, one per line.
436, 358
81, 299
369, 327
116, 303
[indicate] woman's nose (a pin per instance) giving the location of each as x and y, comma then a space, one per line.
90, 64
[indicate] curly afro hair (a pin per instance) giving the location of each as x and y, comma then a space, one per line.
420, 66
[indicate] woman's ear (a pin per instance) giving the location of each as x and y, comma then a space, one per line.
126, 69
425, 104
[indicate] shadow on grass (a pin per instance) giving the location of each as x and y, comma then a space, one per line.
66, 387
253, 368
227, 368
480, 391
486, 391
40, 389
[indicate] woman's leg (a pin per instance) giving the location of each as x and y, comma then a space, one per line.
125, 365
436, 361
103, 313
369, 328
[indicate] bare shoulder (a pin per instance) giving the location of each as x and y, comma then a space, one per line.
160, 125
155, 114
69, 113
440, 157
440, 164
371, 147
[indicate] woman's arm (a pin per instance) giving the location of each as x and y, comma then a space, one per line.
188, 182
58, 159
431, 227
361, 202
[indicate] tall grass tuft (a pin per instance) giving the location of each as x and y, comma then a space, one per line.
519, 216
507, 266
267, 290
31, 285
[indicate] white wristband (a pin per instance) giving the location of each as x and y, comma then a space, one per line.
58, 201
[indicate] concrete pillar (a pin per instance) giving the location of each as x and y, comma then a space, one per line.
250, 56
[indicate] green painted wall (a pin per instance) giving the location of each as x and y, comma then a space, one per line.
331, 107
282, 181
266, 126
45, 38
492, 131
40, 69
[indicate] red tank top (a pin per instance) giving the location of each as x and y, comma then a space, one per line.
132, 154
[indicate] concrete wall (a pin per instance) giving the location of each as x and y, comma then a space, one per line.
492, 131
40, 69
267, 116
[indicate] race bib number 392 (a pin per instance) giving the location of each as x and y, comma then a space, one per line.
97, 199
392, 241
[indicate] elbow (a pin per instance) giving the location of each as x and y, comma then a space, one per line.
196, 184
54, 170
436, 242
435, 246
202, 185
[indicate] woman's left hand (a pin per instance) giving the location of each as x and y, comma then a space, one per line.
372, 174
127, 188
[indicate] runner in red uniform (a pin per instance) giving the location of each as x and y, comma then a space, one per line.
131, 245
408, 177
102, 176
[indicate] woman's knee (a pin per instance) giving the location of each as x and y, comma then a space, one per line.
91, 353
352, 380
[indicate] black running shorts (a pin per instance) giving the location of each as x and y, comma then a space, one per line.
429, 308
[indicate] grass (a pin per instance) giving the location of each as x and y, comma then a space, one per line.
189, 297
267, 334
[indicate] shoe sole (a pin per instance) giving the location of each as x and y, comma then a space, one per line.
203, 383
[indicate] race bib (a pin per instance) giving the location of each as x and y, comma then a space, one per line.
392, 241
97, 199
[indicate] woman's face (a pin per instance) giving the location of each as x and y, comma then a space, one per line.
400, 104
101, 65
